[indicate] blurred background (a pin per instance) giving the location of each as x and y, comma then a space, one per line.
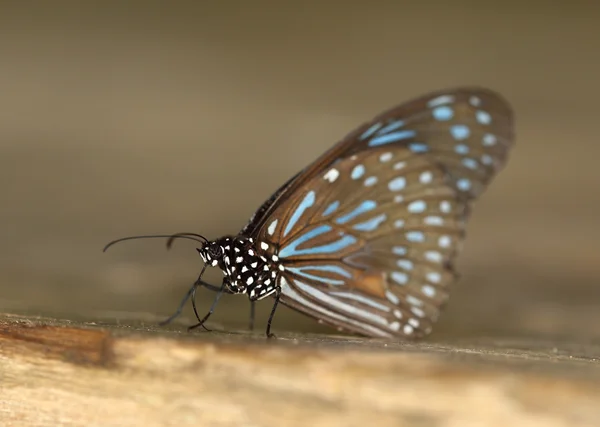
121, 118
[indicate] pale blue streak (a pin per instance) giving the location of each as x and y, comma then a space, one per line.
365, 206
331, 208
309, 276
329, 268
392, 137
440, 100
392, 126
370, 131
291, 249
338, 245
306, 203
418, 147
336, 269
371, 224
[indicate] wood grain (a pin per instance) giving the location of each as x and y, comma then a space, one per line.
61, 373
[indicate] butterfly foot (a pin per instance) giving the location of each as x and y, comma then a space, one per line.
198, 325
271, 336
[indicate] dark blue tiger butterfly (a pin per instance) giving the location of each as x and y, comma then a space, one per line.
365, 238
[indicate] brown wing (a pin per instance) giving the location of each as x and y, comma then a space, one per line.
468, 130
369, 245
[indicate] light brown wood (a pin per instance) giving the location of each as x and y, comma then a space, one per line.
60, 373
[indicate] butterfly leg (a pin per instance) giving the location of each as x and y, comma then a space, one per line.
201, 322
210, 311
227, 291
211, 287
223, 288
277, 295
188, 295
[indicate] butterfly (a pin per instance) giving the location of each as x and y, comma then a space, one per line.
366, 237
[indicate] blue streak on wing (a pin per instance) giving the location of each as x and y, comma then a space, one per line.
287, 290
341, 306
335, 269
370, 131
371, 224
365, 206
361, 299
327, 280
306, 203
392, 137
331, 208
441, 100
332, 269
292, 248
418, 147
392, 126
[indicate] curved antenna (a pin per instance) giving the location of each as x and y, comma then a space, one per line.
190, 236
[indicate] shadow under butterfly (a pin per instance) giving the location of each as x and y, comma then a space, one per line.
365, 238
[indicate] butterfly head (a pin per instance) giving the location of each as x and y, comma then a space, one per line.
212, 253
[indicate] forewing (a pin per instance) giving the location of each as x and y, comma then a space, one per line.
467, 130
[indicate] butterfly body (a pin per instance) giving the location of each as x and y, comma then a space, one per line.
246, 268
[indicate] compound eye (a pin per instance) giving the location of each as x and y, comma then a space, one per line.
216, 251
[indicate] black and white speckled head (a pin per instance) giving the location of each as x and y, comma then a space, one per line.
245, 270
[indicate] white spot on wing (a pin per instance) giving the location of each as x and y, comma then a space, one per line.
370, 181
397, 184
272, 227
385, 157
483, 117
405, 264
399, 223
433, 220
475, 101
392, 297
332, 175
426, 177
444, 241
428, 290
433, 256
400, 278
445, 206
417, 206
440, 100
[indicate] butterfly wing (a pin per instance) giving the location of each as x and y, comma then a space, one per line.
367, 234
369, 245
468, 130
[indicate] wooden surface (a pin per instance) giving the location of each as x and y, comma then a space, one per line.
58, 373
